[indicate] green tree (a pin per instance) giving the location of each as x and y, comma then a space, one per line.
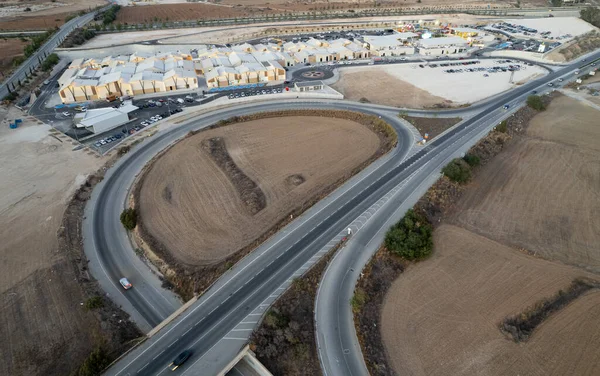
96, 362
535, 102
458, 171
50, 62
472, 160
410, 238
129, 218
591, 14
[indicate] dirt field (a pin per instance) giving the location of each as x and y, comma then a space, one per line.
358, 84
44, 328
454, 301
44, 14
290, 159
543, 194
9, 49
182, 12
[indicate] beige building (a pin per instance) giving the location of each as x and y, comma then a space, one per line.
92, 79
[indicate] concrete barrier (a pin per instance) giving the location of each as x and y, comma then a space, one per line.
173, 316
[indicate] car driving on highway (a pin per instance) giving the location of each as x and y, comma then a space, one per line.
181, 358
125, 283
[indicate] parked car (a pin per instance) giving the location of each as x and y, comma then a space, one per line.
144, 124
125, 283
181, 358
97, 144
66, 113
506, 107
102, 142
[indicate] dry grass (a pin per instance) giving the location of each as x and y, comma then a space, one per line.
194, 210
44, 19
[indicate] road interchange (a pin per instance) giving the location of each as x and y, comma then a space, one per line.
255, 278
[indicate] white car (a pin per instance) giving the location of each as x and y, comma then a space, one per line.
125, 283
66, 113
158, 117
102, 142
151, 121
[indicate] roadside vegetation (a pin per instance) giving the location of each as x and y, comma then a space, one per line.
36, 42
111, 14
50, 62
285, 340
536, 102
78, 37
521, 326
129, 218
411, 238
581, 45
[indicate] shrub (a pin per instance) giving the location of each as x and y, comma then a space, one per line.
502, 127
129, 218
50, 62
535, 102
94, 302
458, 171
410, 238
111, 14
472, 160
95, 363
11, 96
358, 299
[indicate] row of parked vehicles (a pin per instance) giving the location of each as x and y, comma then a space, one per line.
129, 131
255, 92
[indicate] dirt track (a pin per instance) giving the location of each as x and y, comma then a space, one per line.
453, 302
190, 205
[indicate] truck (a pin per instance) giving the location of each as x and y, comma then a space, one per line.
111, 97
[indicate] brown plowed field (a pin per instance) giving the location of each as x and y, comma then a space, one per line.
441, 316
524, 228
183, 12
44, 14
543, 194
194, 210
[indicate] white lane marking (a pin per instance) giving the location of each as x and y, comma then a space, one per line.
242, 330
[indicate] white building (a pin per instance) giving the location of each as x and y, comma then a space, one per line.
101, 120
442, 46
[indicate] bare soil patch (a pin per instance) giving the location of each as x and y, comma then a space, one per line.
454, 301
358, 84
206, 218
430, 125
193, 222
44, 283
184, 12
542, 195
442, 316
9, 49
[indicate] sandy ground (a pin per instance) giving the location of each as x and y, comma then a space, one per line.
543, 195
9, 49
441, 315
557, 26
422, 87
193, 208
41, 317
367, 83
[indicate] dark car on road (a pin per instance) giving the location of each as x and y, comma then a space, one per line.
181, 358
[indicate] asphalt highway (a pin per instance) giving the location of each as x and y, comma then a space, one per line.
337, 342
238, 292
35, 60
